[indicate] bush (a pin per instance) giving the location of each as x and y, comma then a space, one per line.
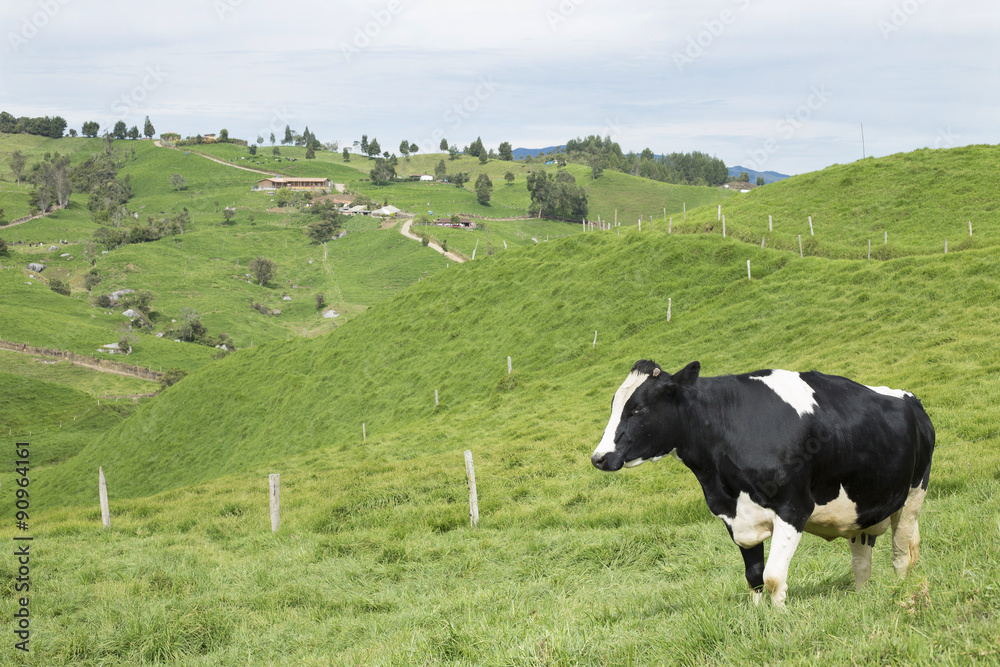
58, 286
320, 301
262, 269
3, 247
171, 377
91, 280
103, 301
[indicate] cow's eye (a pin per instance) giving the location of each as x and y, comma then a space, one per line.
636, 410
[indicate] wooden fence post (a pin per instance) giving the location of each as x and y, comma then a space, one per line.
723, 225
274, 483
770, 224
470, 472
800, 245
435, 398
509, 368
364, 433
669, 304
811, 226
102, 492
748, 270
595, 339
719, 216
970, 227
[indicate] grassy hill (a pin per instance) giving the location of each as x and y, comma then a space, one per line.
375, 562
919, 199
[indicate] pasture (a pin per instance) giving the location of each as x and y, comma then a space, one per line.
375, 561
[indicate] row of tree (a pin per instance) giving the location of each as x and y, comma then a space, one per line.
46, 126
693, 168
120, 131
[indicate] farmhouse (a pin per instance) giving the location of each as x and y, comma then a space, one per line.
386, 211
276, 182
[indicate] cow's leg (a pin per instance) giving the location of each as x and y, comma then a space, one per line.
861, 558
784, 541
905, 533
753, 560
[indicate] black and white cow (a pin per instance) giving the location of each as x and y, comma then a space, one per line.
779, 453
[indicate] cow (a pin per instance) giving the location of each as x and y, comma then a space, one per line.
779, 453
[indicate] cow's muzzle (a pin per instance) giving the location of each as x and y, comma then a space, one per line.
608, 461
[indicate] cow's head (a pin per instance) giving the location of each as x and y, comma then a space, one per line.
645, 416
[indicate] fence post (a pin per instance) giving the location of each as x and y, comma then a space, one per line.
435, 398
470, 472
669, 304
595, 339
723, 225
719, 216
364, 433
811, 226
274, 482
800, 245
748, 270
770, 224
102, 492
970, 227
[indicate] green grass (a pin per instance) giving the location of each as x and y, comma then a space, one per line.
59, 419
375, 562
95, 383
920, 199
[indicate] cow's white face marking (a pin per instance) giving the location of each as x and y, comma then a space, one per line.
886, 391
792, 389
632, 382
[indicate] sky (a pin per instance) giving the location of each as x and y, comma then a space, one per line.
778, 85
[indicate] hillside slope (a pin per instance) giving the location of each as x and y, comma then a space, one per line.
921, 323
908, 203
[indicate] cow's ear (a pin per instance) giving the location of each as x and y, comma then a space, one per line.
688, 374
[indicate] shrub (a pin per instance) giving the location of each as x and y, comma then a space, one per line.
171, 377
103, 301
59, 287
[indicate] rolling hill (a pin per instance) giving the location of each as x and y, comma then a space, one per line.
375, 562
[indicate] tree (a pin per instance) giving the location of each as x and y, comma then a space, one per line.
323, 229
476, 148
506, 152
444, 144
404, 148
147, 129
262, 269
744, 177
760, 180
3, 247
58, 286
440, 171
252, 149
414, 148
320, 301
382, 173
483, 187
260, 139
72, 131
453, 152
120, 130
373, 148
364, 144
289, 137
310, 153
557, 198
17, 162
272, 138
483, 156
275, 151
223, 136
227, 215
347, 155
91, 128
133, 133
460, 179
178, 181
509, 177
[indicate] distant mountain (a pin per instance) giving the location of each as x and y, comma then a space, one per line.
769, 176
534, 152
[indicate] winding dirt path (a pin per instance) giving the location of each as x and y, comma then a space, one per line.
405, 231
